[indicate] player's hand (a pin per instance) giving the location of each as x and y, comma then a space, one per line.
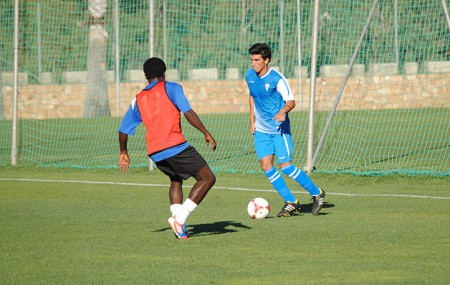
252, 128
124, 162
210, 140
280, 117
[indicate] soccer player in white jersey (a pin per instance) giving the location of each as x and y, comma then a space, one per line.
270, 101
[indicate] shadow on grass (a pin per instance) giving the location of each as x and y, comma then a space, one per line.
224, 227
215, 228
307, 208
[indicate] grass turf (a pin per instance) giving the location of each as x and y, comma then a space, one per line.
103, 227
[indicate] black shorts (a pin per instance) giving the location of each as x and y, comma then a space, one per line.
183, 165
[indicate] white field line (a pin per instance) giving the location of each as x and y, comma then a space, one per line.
217, 187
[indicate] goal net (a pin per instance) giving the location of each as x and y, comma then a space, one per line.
80, 65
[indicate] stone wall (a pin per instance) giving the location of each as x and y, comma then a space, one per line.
231, 96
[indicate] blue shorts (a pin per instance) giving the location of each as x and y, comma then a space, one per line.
279, 145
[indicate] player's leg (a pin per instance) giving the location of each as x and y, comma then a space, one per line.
176, 185
205, 181
186, 164
175, 197
276, 179
301, 178
264, 146
291, 204
284, 147
175, 194
180, 167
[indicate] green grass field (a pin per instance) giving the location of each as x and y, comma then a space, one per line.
61, 226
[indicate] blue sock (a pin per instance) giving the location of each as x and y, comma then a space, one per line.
301, 178
278, 183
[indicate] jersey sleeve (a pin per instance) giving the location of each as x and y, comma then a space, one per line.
248, 79
285, 90
177, 96
131, 119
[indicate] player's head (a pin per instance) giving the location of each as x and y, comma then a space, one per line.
154, 67
261, 49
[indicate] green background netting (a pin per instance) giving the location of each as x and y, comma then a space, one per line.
393, 117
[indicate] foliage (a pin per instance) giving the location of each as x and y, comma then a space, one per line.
200, 35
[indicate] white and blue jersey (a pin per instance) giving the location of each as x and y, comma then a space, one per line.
270, 93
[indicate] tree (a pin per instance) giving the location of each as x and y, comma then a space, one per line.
2, 107
97, 101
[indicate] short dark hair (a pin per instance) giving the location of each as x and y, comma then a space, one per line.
262, 49
154, 67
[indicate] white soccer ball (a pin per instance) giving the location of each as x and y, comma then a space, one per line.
258, 208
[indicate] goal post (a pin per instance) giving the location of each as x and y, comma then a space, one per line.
342, 86
370, 100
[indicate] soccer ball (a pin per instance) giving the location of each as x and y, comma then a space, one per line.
258, 208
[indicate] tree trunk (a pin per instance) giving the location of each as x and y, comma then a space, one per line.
96, 103
2, 106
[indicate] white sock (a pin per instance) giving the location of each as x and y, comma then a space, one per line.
186, 209
174, 208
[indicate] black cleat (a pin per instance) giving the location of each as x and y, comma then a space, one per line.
318, 202
289, 208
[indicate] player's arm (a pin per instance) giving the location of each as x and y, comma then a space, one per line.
285, 90
128, 126
289, 105
195, 121
124, 158
176, 95
252, 114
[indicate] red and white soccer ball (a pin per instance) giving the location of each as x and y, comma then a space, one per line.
258, 208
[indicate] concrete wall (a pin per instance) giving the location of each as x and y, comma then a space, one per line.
231, 96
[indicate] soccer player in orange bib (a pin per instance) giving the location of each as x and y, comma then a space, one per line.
158, 106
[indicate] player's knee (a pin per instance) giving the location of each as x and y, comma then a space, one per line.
211, 180
266, 164
206, 177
